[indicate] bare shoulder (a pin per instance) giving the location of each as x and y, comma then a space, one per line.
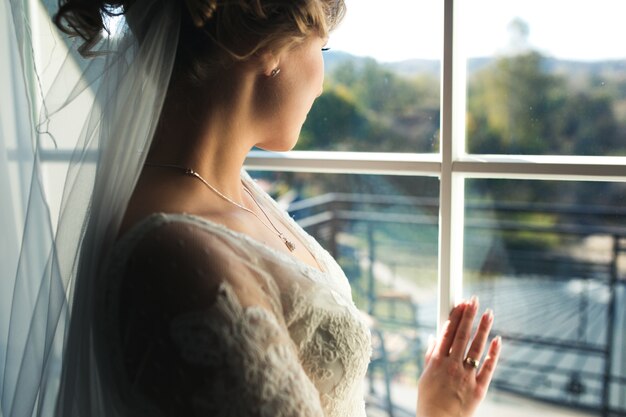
183, 266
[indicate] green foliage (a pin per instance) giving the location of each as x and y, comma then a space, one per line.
531, 239
518, 104
588, 126
523, 103
507, 103
367, 107
334, 121
515, 105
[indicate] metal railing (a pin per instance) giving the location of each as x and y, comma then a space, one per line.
576, 363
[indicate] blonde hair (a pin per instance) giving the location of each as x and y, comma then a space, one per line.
214, 33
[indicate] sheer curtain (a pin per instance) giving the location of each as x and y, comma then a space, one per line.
73, 137
31, 298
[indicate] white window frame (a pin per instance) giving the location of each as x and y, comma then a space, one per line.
452, 165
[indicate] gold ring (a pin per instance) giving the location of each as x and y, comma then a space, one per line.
471, 362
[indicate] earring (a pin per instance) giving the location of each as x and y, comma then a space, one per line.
275, 72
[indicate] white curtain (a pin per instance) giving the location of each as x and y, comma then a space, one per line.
32, 299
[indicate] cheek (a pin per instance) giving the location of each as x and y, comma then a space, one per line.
319, 66
308, 85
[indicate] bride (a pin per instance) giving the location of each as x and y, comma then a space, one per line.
195, 294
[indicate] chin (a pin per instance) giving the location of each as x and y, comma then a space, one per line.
277, 147
284, 144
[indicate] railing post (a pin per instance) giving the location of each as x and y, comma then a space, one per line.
332, 245
584, 312
371, 249
610, 331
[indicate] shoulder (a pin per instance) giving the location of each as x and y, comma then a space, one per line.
183, 265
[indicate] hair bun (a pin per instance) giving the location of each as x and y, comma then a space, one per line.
201, 11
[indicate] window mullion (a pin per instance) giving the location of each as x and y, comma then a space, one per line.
452, 192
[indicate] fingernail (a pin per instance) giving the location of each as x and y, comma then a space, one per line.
489, 314
498, 341
474, 301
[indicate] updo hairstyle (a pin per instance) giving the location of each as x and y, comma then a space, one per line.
214, 34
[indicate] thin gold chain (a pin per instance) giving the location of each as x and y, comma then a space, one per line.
188, 171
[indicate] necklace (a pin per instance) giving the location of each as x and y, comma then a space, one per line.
190, 172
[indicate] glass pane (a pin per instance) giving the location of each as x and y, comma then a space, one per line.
546, 77
382, 80
383, 231
550, 258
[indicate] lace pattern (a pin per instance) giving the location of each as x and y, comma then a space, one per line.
305, 352
332, 344
255, 371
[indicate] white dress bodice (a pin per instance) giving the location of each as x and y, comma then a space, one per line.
305, 355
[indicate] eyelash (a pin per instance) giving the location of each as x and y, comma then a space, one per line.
325, 49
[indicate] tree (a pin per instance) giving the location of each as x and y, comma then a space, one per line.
510, 105
332, 123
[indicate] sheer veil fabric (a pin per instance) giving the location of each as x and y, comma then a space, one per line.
48, 298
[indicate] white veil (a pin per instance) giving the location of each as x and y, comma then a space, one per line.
50, 363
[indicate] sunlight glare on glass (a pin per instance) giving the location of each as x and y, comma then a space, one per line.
393, 30
397, 30
562, 29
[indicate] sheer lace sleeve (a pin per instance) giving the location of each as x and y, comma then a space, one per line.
202, 334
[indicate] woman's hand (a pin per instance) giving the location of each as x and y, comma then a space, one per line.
453, 384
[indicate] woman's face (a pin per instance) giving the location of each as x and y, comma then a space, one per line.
286, 98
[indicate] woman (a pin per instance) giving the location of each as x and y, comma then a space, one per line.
195, 295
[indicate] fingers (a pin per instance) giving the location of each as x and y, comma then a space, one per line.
483, 378
432, 342
480, 338
449, 331
464, 330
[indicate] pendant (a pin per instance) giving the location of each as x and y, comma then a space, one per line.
290, 245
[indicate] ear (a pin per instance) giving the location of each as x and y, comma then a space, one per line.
269, 62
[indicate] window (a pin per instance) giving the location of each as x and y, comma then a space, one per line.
527, 157
474, 147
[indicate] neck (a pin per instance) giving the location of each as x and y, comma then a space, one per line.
209, 130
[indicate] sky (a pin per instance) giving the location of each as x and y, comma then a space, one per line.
395, 30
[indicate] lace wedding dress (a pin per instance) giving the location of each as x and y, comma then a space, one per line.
275, 337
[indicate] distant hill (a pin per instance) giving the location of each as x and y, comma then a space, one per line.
607, 68
333, 59
432, 66
415, 66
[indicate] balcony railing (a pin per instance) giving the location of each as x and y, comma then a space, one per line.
561, 315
